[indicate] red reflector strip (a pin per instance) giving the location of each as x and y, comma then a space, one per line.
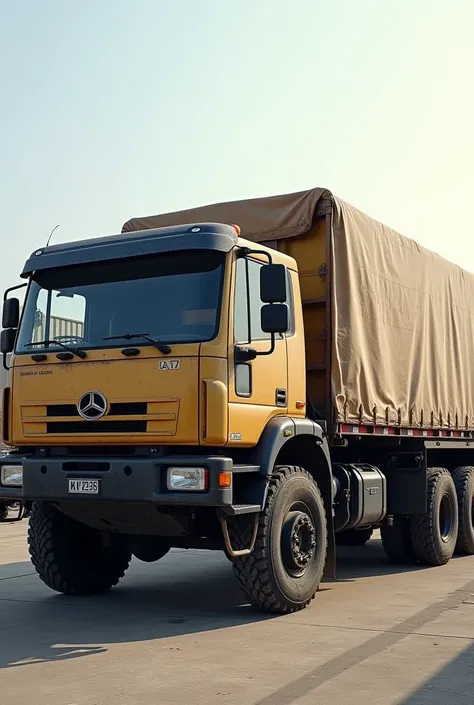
393, 431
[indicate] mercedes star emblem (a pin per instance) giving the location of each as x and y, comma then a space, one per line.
92, 406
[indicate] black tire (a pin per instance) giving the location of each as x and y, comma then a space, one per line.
434, 534
354, 537
72, 558
283, 572
464, 482
3, 512
396, 541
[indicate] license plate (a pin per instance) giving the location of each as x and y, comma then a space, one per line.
83, 487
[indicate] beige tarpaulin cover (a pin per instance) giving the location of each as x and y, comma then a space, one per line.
402, 317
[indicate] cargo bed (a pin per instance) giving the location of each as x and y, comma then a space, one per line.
389, 325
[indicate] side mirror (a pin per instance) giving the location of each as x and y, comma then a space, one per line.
273, 283
11, 313
7, 340
274, 318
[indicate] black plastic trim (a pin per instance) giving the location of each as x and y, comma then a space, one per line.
280, 397
407, 482
127, 479
211, 236
13, 494
279, 431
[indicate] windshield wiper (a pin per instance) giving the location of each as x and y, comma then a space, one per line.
162, 347
75, 351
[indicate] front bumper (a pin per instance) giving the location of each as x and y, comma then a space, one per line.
129, 479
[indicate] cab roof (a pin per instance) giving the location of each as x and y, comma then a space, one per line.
198, 236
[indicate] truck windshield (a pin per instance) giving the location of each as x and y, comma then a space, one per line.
172, 297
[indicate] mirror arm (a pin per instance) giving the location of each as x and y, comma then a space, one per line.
246, 251
14, 288
272, 347
246, 354
5, 365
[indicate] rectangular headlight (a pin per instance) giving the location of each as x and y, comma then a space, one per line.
187, 479
11, 475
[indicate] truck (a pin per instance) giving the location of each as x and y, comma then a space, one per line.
268, 378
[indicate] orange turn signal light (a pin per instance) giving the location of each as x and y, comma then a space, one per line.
225, 479
236, 228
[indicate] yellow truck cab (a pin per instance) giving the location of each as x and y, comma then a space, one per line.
227, 392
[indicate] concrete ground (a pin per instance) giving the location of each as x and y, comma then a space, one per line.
179, 632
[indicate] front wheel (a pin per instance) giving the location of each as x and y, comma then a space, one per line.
71, 557
283, 572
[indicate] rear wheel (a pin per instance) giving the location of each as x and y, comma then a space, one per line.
72, 558
354, 537
283, 572
434, 534
3, 512
464, 482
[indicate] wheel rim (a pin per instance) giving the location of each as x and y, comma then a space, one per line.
298, 540
446, 517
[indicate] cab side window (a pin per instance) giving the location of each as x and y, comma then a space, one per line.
241, 319
247, 303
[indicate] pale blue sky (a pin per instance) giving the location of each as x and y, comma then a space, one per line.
113, 109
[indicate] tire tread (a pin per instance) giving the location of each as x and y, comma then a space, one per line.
41, 549
422, 527
461, 477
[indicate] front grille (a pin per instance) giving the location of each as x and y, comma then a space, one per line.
70, 427
156, 417
137, 408
133, 408
61, 410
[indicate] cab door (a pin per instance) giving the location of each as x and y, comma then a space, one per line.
258, 389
